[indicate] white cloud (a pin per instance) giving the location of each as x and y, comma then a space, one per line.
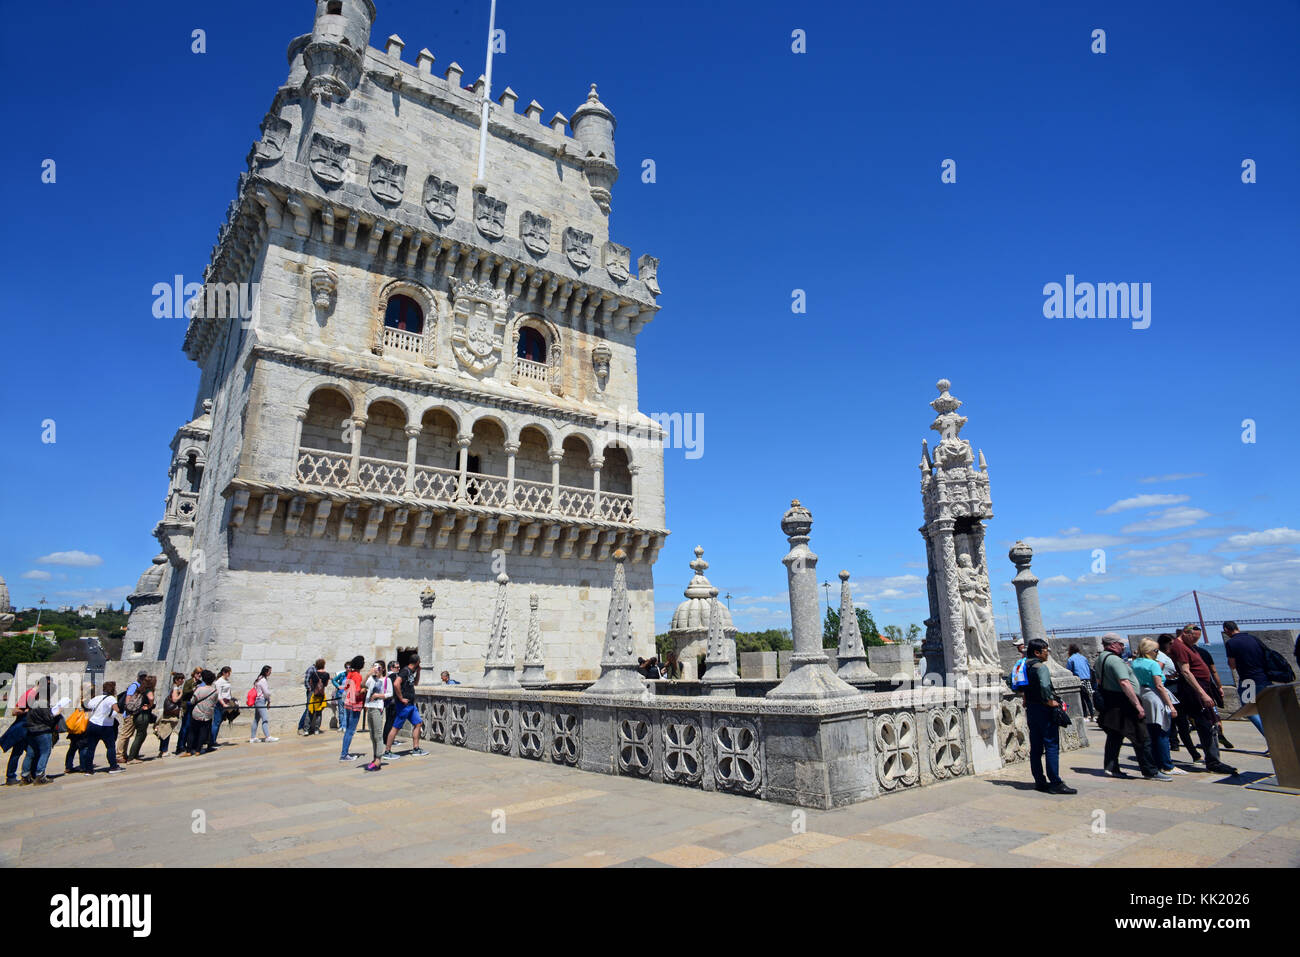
1169, 518
77, 559
1057, 580
1176, 477
1173, 559
1069, 531
1142, 501
37, 575
1074, 543
114, 596
1274, 536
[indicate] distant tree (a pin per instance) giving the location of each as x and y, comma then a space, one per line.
913, 632
18, 648
774, 639
893, 633
866, 625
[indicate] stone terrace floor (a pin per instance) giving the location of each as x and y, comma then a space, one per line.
292, 803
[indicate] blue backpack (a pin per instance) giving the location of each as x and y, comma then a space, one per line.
1020, 675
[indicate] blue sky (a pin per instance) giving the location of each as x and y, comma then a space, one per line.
775, 171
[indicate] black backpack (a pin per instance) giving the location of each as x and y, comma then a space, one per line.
1276, 668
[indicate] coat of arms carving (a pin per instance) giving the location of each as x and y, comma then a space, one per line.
615, 259
387, 180
440, 199
577, 247
535, 231
478, 325
275, 133
327, 158
490, 215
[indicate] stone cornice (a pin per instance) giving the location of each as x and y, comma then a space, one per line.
276, 352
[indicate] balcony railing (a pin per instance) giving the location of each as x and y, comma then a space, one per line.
333, 470
532, 371
399, 340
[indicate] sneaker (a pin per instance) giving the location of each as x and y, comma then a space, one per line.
1060, 787
116, 770
1220, 768
373, 766
270, 739
252, 740
42, 780
1158, 776
349, 757
1115, 772
1175, 771
418, 752
389, 756
24, 782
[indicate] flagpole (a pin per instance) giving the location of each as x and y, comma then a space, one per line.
480, 182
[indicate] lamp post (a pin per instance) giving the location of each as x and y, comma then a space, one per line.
1006, 610
827, 587
728, 601
37, 627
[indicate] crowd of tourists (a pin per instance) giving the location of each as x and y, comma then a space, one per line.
378, 700
1152, 699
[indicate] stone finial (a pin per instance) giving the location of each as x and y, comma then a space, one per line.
534, 667
1021, 555
558, 122
499, 668
427, 596
453, 75
424, 62
852, 653
507, 100
952, 451
395, 46
720, 672
796, 522
533, 111
618, 664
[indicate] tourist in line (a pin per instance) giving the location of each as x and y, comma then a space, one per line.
447, 679
311, 680
143, 716
1182, 729
316, 706
1215, 686
353, 701
204, 706
336, 690
390, 706
77, 739
262, 706
42, 716
171, 713
406, 711
378, 690
672, 667
1124, 716
1080, 668
1195, 680
14, 739
1159, 706
187, 708
1041, 703
1248, 659
104, 713
130, 700
225, 701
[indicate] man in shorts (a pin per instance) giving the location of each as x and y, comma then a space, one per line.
405, 711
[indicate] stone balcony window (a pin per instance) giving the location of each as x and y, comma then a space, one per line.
439, 460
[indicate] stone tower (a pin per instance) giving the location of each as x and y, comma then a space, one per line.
408, 378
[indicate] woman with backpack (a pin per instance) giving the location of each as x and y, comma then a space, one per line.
102, 728
171, 714
261, 695
143, 718
203, 707
77, 724
187, 704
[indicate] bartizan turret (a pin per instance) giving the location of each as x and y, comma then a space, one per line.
593, 130
337, 48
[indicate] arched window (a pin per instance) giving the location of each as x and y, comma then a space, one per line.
532, 345
193, 471
404, 313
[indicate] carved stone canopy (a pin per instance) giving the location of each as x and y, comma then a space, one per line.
324, 284
600, 357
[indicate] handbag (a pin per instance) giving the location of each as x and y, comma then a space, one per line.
77, 721
1062, 717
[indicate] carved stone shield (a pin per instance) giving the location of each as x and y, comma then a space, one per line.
615, 259
326, 158
490, 215
478, 326
648, 272
275, 133
535, 231
440, 199
387, 180
577, 247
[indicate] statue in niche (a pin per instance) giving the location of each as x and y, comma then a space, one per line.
977, 617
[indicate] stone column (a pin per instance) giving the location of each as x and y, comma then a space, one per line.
932, 643
424, 635
300, 415
412, 436
618, 674
596, 464
556, 458
634, 470
951, 615
720, 671
354, 469
463, 441
499, 668
534, 675
809, 676
852, 653
511, 452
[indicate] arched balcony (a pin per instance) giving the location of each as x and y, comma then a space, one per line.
445, 459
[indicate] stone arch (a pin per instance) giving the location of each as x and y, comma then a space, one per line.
428, 303
327, 422
550, 333
385, 394
384, 435
616, 473
575, 467
532, 461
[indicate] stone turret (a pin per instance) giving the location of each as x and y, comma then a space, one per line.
689, 629
6, 617
593, 130
337, 48
144, 628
